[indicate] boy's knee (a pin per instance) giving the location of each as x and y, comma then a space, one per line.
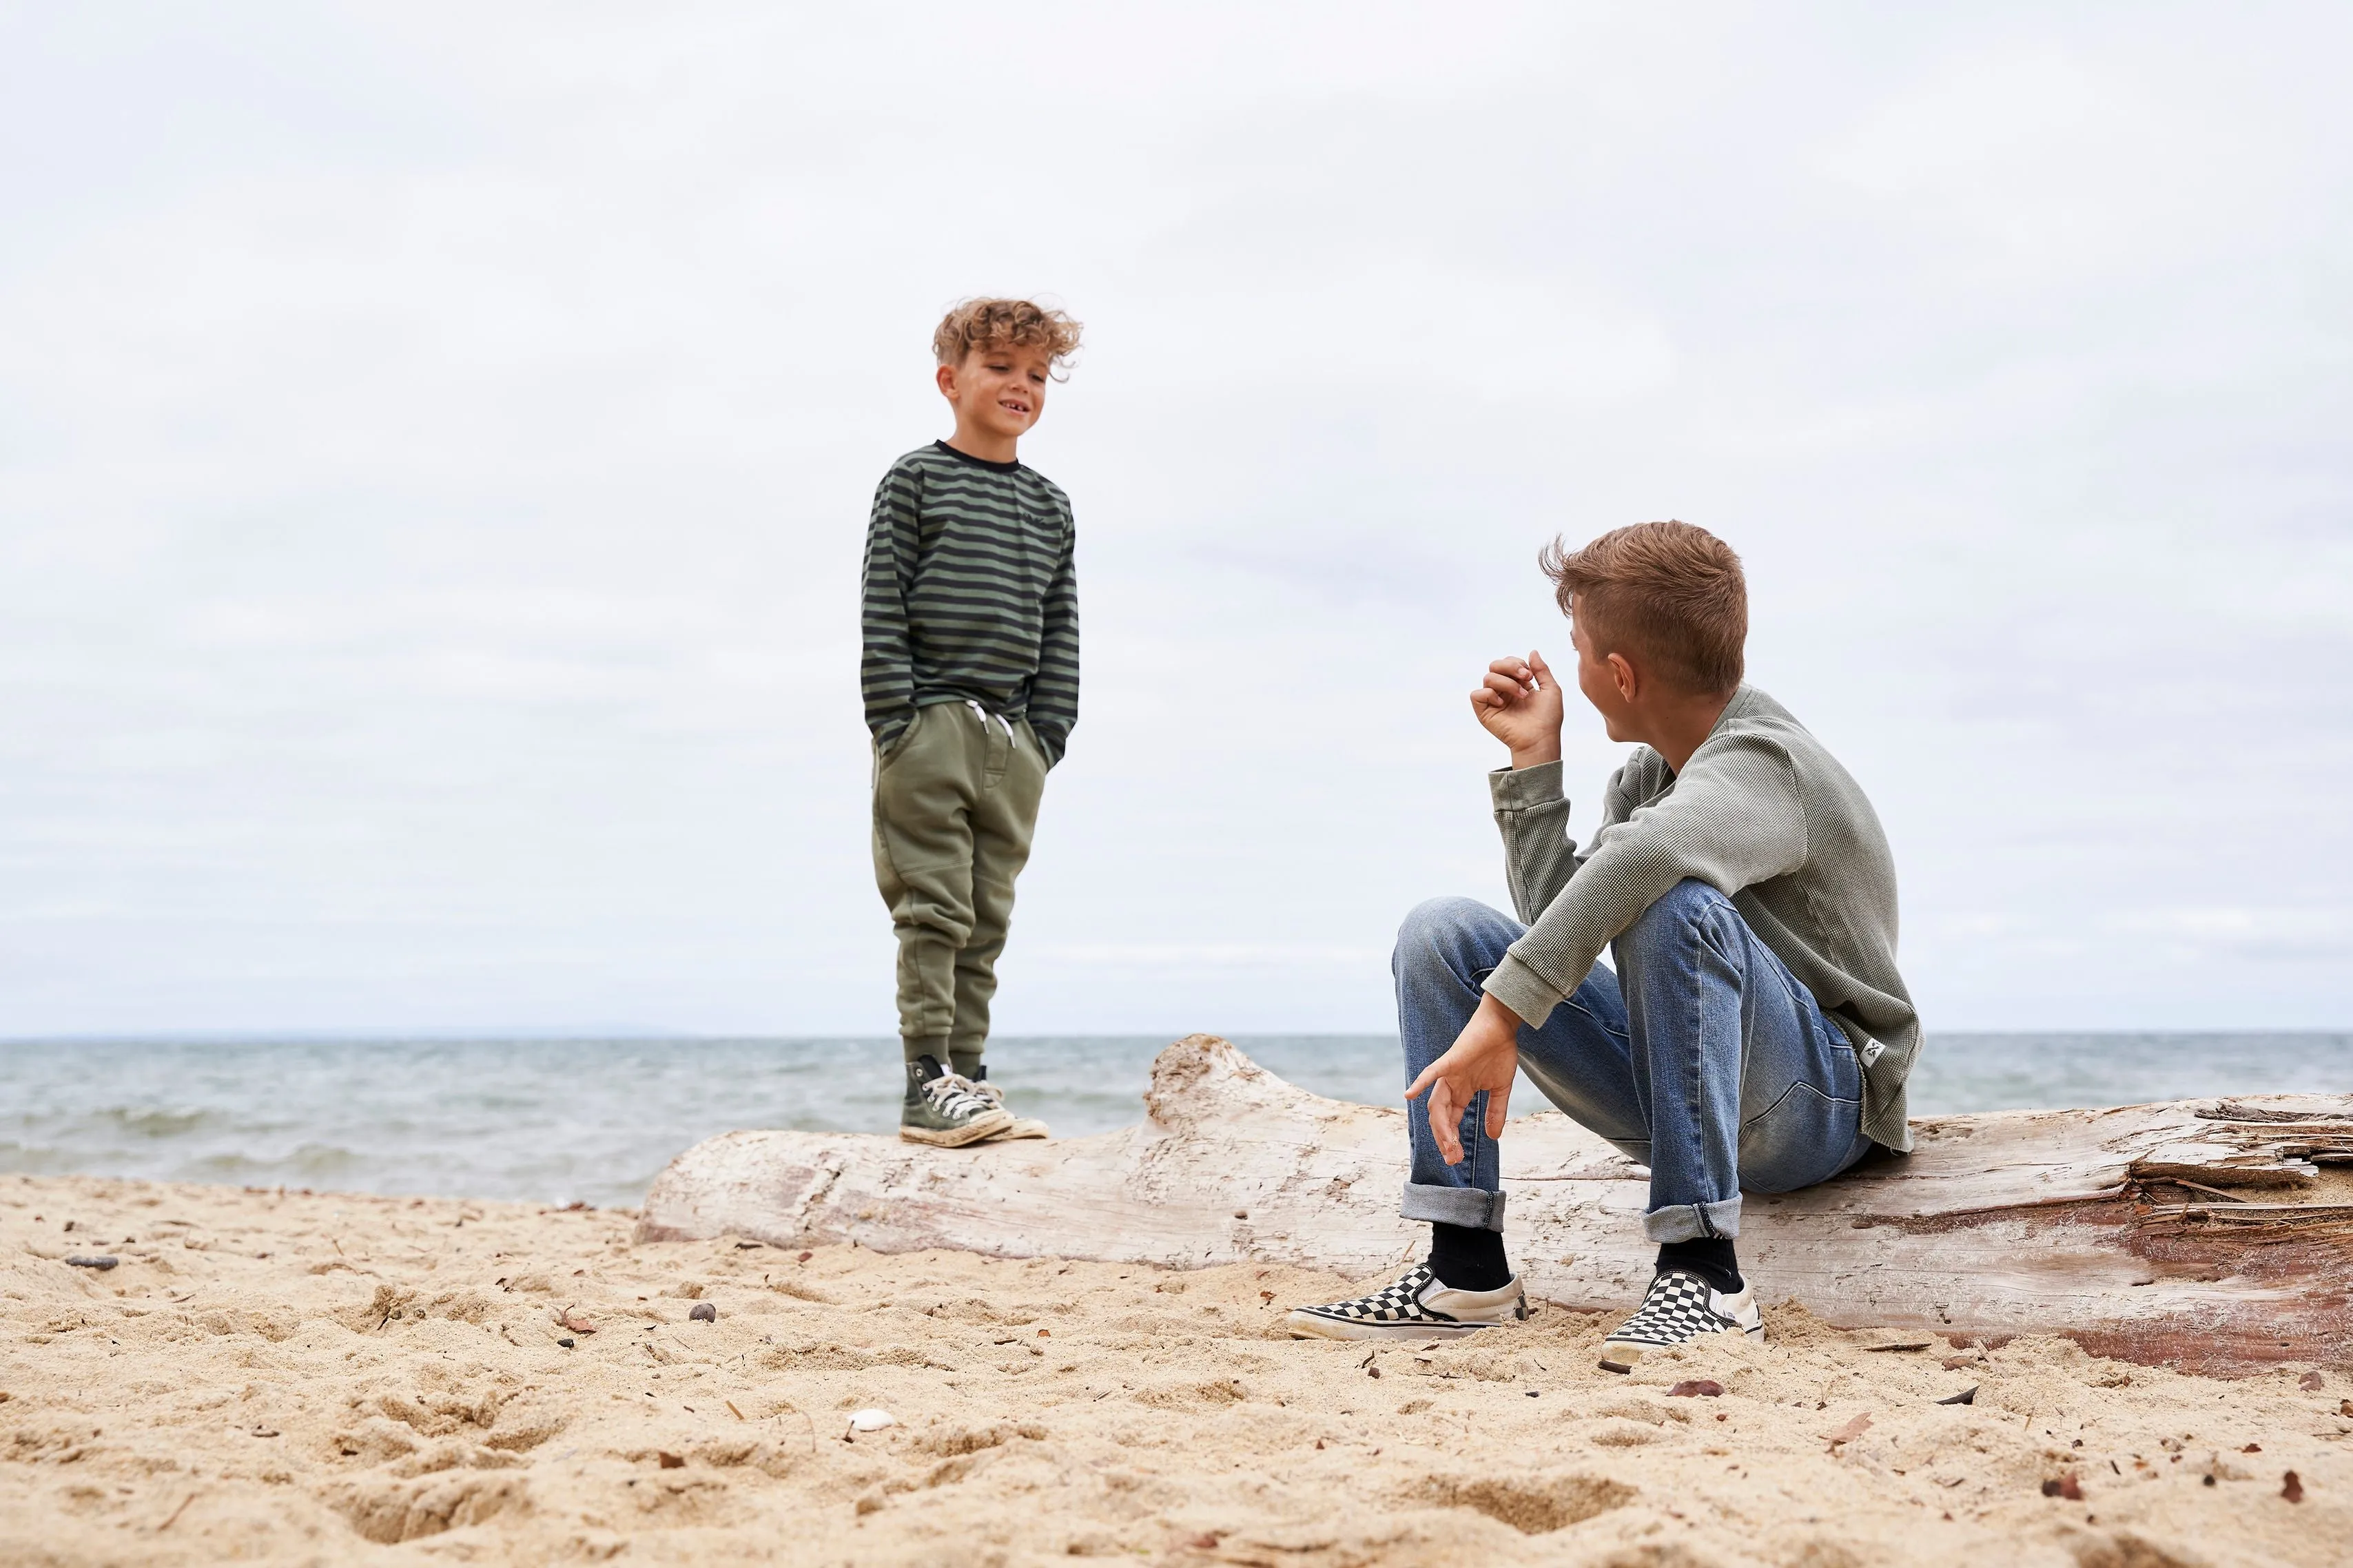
1676, 912
934, 911
1434, 926
1436, 929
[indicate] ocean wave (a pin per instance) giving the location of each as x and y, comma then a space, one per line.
311, 1162
151, 1121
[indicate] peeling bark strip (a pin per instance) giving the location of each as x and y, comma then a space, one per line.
2213, 1236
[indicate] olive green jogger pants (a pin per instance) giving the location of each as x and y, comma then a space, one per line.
956, 802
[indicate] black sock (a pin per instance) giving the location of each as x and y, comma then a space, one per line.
1468, 1259
965, 1063
1709, 1257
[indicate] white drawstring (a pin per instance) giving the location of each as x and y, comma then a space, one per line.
985, 716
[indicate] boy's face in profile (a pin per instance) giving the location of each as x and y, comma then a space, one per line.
999, 391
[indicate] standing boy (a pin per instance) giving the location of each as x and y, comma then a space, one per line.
971, 677
1754, 1035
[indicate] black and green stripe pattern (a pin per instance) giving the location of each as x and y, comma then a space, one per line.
970, 596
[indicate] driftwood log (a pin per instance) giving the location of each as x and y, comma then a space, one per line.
2216, 1237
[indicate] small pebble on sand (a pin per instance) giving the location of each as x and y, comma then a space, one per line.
703, 1312
98, 1263
871, 1420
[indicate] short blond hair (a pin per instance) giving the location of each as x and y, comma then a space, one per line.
1668, 592
978, 324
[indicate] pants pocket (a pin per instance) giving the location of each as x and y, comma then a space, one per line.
898, 743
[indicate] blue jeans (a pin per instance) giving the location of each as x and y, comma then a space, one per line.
1702, 1057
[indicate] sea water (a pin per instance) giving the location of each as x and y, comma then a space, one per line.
558, 1121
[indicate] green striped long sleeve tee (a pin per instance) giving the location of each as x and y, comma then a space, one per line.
970, 595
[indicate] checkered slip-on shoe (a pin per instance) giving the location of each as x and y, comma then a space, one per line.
1679, 1308
1416, 1306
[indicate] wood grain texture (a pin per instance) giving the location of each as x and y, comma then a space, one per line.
2216, 1237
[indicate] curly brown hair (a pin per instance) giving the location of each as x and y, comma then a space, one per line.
1666, 592
976, 324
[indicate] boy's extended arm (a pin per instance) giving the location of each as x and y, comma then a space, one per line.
1054, 690
1733, 819
886, 668
1532, 814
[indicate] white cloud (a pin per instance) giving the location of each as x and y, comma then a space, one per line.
2040, 164
433, 444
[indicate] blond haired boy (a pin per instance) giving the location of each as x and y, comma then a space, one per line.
1755, 1033
971, 678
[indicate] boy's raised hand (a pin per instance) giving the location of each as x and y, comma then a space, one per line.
1520, 704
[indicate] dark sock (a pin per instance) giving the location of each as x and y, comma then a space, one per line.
1709, 1257
1468, 1259
966, 1064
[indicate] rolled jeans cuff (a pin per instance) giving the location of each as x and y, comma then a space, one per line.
1690, 1222
1472, 1208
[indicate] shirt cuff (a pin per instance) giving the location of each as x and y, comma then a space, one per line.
1518, 789
1523, 990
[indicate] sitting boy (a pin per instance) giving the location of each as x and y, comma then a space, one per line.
971, 678
1755, 1033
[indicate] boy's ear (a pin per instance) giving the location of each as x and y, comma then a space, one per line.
945, 379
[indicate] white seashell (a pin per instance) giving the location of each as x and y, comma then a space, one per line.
871, 1420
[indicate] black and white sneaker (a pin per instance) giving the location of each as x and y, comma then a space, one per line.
941, 1108
1679, 1308
1417, 1307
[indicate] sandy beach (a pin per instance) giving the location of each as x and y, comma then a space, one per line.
288, 1377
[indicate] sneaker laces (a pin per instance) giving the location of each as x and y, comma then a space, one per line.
955, 1095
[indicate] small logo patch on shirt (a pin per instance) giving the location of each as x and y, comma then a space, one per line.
1871, 1052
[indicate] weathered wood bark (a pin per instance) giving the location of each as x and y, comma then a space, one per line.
2200, 1234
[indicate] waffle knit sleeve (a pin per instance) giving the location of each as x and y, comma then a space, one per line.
1733, 819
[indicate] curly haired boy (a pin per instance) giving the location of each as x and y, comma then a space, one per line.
971, 680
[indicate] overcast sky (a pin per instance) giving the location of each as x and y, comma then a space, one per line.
435, 444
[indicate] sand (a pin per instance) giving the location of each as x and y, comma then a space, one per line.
271, 1377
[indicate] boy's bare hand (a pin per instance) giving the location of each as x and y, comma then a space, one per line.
1520, 704
1484, 1055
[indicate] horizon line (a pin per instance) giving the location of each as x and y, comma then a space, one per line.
639, 1034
